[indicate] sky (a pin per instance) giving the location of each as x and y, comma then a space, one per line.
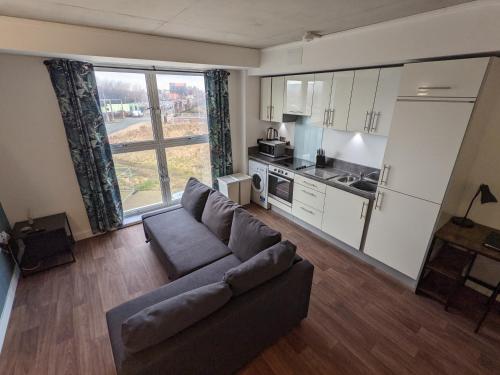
163, 79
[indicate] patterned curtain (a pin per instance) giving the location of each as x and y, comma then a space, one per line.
219, 132
75, 87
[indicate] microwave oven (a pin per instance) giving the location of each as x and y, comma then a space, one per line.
274, 149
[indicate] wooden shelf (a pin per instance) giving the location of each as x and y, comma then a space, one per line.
450, 262
437, 286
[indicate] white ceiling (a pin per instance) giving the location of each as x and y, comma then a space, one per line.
250, 23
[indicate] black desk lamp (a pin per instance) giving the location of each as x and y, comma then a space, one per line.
486, 197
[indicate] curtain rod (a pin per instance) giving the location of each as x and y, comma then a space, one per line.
151, 69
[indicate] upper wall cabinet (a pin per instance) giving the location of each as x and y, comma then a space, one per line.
265, 99
271, 98
332, 95
385, 100
321, 99
362, 99
449, 78
299, 94
373, 98
340, 99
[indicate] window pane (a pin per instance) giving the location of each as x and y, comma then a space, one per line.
186, 161
124, 105
182, 104
138, 179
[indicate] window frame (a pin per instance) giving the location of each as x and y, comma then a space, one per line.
159, 143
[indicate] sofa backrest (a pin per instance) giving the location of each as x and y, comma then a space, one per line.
195, 197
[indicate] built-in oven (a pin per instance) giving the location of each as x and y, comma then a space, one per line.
280, 185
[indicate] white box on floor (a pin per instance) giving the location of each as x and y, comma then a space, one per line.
245, 187
230, 187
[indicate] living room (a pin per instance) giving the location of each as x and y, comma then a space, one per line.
362, 141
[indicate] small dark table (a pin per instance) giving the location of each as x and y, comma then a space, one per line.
447, 271
47, 245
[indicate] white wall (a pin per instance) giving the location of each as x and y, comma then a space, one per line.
364, 149
464, 29
37, 171
23, 36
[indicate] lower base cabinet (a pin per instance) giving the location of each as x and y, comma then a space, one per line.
307, 213
344, 216
400, 230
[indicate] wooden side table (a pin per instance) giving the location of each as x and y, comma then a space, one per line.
49, 244
446, 270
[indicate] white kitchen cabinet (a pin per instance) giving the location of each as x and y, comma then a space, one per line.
321, 99
423, 144
277, 93
400, 231
362, 99
309, 196
299, 94
307, 214
449, 78
310, 183
271, 98
265, 98
331, 100
344, 216
385, 100
340, 100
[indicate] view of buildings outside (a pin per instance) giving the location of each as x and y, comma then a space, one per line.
126, 109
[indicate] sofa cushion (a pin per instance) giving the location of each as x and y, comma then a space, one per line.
157, 323
260, 268
209, 274
194, 197
182, 243
250, 236
218, 215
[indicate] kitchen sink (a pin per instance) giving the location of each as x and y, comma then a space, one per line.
347, 179
364, 185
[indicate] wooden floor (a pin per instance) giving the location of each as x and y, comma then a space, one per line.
360, 321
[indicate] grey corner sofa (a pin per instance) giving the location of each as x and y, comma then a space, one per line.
269, 291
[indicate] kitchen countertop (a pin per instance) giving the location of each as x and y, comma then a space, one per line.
321, 174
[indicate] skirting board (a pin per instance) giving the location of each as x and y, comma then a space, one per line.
9, 303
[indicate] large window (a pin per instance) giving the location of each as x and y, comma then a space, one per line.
157, 127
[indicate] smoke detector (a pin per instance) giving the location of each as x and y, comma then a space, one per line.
310, 35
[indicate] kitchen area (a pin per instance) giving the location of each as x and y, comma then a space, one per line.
372, 160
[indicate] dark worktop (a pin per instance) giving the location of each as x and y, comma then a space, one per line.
334, 167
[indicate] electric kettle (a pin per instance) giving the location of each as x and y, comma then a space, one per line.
271, 134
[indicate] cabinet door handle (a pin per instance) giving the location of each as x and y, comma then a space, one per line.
367, 122
375, 118
308, 193
306, 210
363, 215
324, 117
434, 88
308, 183
384, 176
332, 111
378, 200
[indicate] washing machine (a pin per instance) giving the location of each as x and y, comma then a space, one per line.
258, 172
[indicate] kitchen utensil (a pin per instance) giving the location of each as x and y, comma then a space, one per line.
271, 134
